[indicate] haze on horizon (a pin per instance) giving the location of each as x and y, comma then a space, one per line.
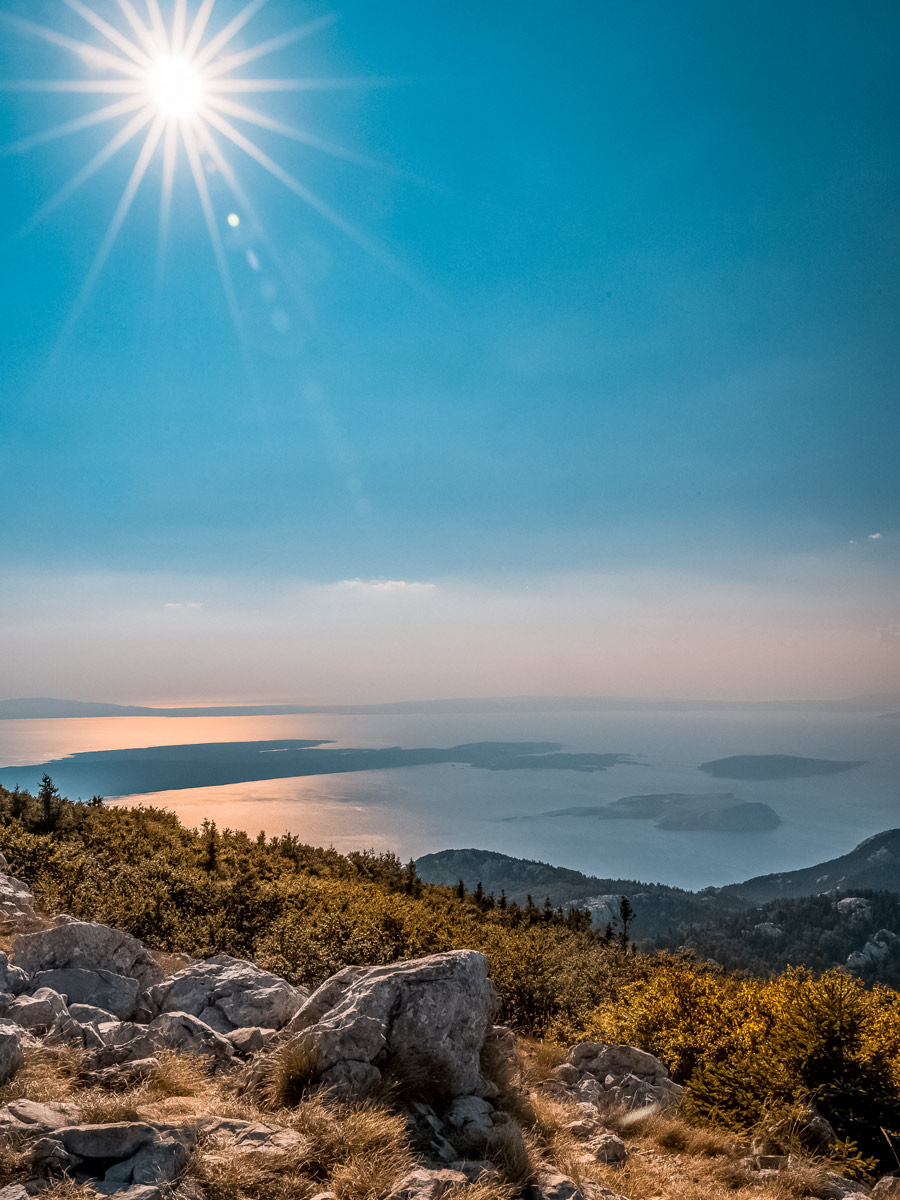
590, 388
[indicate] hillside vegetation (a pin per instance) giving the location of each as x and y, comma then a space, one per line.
751, 1052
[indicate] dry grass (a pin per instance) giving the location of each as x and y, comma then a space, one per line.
481, 1189
68, 1189
537, 1060
288, 1071
514, 1152
230, 1175
672, 1133
15, 1157
50, 1073
100, 1107
371, 1175
179, 1075
358, 1151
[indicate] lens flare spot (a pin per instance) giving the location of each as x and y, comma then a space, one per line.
234, 220
176, 86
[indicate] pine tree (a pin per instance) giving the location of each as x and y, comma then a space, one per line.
626, 912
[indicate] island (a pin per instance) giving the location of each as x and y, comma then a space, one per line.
720, 811
775, 766
216, 764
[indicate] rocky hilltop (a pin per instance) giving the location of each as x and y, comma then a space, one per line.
131, 1074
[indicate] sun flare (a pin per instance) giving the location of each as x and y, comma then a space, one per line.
176, 86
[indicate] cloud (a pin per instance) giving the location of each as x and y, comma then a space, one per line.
405, 586
890, 633
873, 537
177, 606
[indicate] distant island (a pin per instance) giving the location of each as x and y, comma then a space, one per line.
721, 811
216, 764
775, 766
49, 708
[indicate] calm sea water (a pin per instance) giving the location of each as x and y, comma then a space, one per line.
415, 810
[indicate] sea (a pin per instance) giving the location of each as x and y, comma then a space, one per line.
417, 810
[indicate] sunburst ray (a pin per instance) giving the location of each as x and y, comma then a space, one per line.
221, 40
296, 85
97, 117
252, 117
306, 194
85, 50
137, 25
242, 57
129, 131
118, 219
158, 26
198, 28
110, 33
215, 238
88, 87
179, 24
170, 146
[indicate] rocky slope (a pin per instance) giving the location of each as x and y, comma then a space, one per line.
123, 1074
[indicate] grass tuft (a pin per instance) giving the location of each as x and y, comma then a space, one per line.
49, 1073
288, 1072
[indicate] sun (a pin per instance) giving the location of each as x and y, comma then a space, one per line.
169, 78
176, 86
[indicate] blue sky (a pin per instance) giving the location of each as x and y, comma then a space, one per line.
643, 317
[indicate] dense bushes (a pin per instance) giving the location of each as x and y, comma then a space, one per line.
753, 1052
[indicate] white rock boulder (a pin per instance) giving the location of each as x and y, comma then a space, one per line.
114, 993
88, 946
11, 1057
227, 994
16, 901
423, 1019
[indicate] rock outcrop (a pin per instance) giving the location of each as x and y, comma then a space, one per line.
604, 1074
89, 946
227, 994
422, 1019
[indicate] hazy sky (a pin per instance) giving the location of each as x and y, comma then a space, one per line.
591, 386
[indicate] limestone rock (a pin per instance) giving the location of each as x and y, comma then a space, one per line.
123, 1041
14, 1191
470, 1117
836, 1187
887, 1188
32, 1119
87, 945
250, 1039
551, 1185
227, 994
181, 1031
160, 1160
252, 1140
140, 1191
12, 978
608, 1148
116, 1140
422, 1019
123, 1076
16, 901
116, 994
602, 1059
90, 1014
38, 1011
498, 1056
11, 1057
615, 1074
427, 1185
